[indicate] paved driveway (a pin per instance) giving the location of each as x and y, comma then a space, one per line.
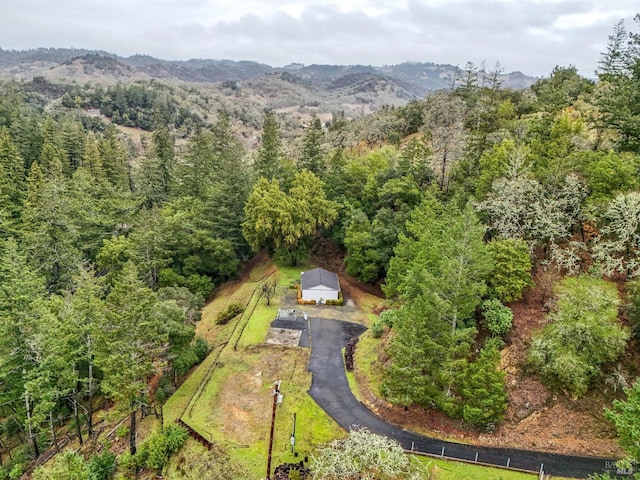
330, 389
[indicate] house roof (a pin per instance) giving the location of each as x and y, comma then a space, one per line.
317, 277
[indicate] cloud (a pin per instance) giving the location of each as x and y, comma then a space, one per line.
527, 35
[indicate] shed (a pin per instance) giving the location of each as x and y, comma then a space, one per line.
319, 285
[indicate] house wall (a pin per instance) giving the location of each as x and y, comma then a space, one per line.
319, 295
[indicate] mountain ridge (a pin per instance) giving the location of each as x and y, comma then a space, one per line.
413, 79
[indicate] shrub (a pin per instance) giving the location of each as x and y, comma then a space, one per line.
102, 466
377, 329
511, 273
232, 310
497, 318
155, 452
201, 348
339, 302
389, 317
122, 431
175, 436
569, 352
199, 284
306, 302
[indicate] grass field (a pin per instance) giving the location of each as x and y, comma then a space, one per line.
446, 470
232, 389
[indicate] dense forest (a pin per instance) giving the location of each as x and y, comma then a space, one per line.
110, 244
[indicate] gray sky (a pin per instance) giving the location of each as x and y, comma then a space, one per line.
532, 36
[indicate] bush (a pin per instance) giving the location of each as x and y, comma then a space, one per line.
199, 285
377, 329
232, 310
155, 452
497, 318
585, 334
201, 348
175, 438
306, 302
184, 361
122, 431
126, 461
511, 274
102, 466
389, 317
339, 302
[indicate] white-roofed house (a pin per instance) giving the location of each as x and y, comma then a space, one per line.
319, 285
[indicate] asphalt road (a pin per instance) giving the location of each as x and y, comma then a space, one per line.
330, 389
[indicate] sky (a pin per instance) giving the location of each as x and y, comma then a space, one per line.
531, 36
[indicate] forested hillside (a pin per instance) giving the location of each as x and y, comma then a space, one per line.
115, 229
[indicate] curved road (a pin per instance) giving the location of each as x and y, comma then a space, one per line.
330, 389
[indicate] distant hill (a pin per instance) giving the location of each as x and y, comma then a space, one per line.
404, 81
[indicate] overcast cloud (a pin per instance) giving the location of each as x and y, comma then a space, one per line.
532, 36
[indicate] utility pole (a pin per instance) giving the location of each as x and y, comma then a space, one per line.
277, 398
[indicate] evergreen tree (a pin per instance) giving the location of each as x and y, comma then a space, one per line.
616, 59
268, 163
12, 184
197, 173
22, 311
80, 315
438, 272
128, 342
114, 160
155, 178
313, 153
49, 234
92, 158
618, 93
483, 390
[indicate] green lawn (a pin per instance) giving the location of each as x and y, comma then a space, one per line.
235, 404
366, 362
446, 470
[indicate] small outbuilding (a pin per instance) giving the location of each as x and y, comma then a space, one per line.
319, 285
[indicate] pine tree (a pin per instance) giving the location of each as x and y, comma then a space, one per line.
92, 158
313, 152
128, 342
156, 176
12, 184
49, 234
268, 163
22, 312
114, 160
483, 390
